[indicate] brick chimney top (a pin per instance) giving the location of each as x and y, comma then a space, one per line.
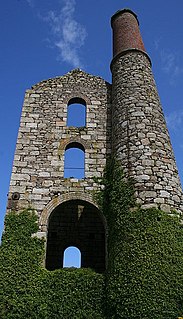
126, 33
119, 12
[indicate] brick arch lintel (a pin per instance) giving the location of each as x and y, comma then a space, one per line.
76, 94
64, 197
75, 139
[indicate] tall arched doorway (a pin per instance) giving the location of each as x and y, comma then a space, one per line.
76, 223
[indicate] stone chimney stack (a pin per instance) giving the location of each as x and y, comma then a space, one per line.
68, 213
140, 138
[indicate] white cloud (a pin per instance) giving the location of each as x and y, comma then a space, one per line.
174, 119
171, 65
157, 43
170, 62
69, 35
30, 3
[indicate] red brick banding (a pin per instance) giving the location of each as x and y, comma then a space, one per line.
126, 33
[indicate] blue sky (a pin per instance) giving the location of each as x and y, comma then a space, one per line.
42, 39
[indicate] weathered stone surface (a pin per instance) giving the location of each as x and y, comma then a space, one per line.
140, 136
38, 169
130, 107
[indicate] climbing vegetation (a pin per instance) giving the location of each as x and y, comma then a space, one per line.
144, 276
28, 290
145, 254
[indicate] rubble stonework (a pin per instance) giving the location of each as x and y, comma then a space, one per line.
38, 168
139, 136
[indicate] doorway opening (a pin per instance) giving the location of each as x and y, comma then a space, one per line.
80, 224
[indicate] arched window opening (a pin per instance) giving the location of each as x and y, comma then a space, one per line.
72, 257
74, 162
80, 224
76, 112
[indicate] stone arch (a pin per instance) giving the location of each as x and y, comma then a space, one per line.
77, 94
76, 139
76, 112
79, 223
74, 152
64, 197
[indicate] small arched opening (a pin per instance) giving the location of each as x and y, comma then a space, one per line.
76, 112
74, 161
76, 223
72, 257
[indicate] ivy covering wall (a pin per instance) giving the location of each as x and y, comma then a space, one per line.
144, 277
145, 247
28, 290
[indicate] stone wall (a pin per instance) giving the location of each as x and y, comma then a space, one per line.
136, 132
140, 136
38, 168
76, 223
